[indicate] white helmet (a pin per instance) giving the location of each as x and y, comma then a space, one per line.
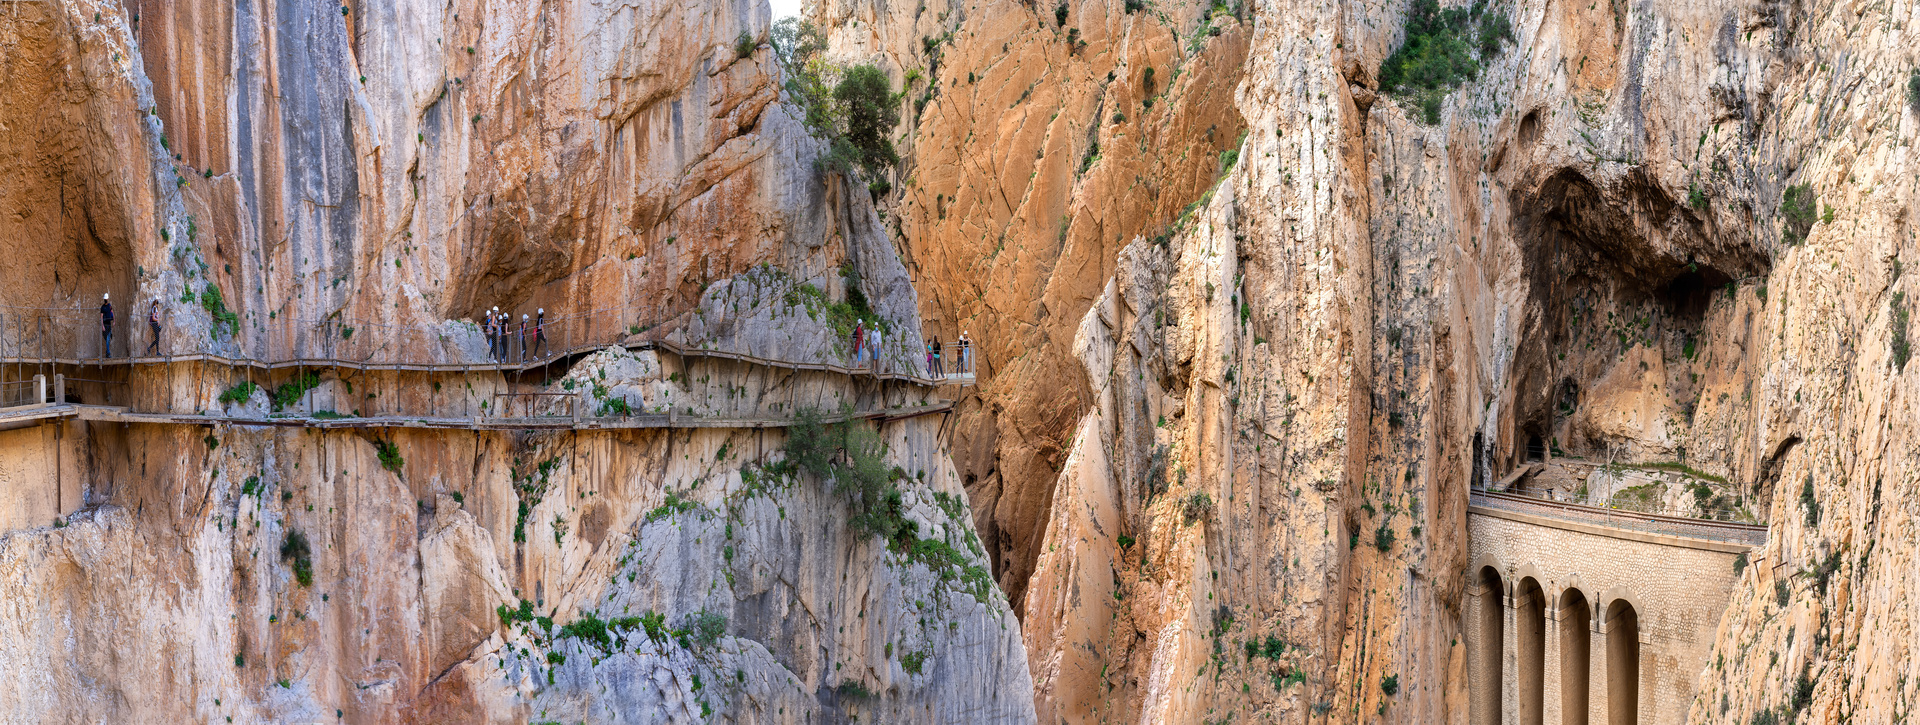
523, 317
103, 296
542, 310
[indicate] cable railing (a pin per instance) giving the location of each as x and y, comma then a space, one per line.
33, 335
75, 333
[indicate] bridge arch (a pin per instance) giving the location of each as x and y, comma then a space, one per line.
1621, 626
1575, 620
1530, 629
1487, 560
1488, 587
1620, 593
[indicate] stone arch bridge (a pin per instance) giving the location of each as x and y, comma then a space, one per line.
1580, 615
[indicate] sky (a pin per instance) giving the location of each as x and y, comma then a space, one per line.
783, 8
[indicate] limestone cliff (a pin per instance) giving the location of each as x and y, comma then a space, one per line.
394, 169
1042, 139
1594, 248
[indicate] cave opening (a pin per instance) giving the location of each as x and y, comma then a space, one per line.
1623, 287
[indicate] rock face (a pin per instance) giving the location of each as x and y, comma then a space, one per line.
317, 169
1260, 507
1036, 149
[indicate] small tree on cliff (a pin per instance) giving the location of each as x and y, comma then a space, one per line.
871, 111
853, 109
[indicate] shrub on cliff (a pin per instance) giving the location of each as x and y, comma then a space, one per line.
1439, 52
1798, 211
1902, 347
216, 307
294, 548
1913, 91
852, 457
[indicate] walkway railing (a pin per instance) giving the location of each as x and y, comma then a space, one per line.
1583, 511
34, 335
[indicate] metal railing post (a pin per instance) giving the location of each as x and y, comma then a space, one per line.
59, 388
39, 389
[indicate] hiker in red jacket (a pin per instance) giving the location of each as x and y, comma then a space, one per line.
859, 336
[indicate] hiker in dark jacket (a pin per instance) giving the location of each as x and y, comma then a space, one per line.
106, 326
540, 330
153, 321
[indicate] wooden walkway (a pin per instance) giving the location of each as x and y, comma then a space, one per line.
507, 367
34, 415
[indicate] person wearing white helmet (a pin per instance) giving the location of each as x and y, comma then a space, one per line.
966, 352
523, 336
106, 325
873, 346
540, 330
491, 328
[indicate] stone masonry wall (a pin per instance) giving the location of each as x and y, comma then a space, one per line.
1678, 593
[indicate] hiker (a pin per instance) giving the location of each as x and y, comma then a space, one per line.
966, 354
153, 321
859, 336
929, 357
487, 328
499, 346
937, 370
106, 326
873, 347
540, 330
523, 336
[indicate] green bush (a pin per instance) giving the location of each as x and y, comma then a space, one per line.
1902, 346
295, 548
1913, 90
1438, 53
705, 628
1696, 196
743, 46
1798, 211
854, 690
1383, 538
216, 307
1196, 507
289, 393
239, 393
914, 662
1390, 685
389, 455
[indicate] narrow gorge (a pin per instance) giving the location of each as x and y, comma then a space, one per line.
1328, 362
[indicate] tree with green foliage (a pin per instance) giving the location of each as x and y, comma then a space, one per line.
1439, 52
871, 110
853, 109
799, 47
